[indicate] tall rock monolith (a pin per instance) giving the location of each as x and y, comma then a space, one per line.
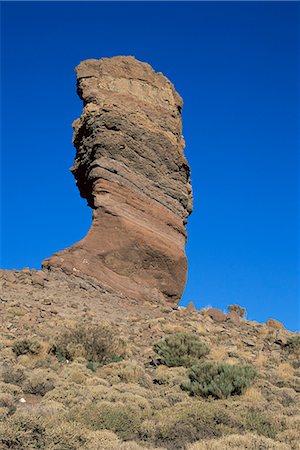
131, 169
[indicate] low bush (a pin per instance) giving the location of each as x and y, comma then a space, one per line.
71, 436
104, 415
261, 423
125, 372
248, 441
13, 374
218, 380
39, 382
25, 346
96, 343
22, 431
180, 349
176, 426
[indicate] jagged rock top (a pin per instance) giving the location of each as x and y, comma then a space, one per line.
142, 108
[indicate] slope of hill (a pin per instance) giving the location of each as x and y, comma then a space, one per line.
83, 368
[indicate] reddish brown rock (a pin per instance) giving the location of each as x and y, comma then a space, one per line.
216, 314
131, 168
273, 323
233, 317
191, 307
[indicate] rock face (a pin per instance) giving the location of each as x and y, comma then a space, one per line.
131, 168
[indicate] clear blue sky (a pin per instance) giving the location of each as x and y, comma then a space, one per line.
236, 66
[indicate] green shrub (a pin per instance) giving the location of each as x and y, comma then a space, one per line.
25, 346
218, 380
180, 349
96, 343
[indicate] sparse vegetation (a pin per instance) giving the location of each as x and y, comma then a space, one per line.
210, 379
98, 344
80, 396
180, 349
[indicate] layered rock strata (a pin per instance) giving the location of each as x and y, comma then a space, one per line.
130, 167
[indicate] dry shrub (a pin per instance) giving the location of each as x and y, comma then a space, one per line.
8, 401
262, 423
72, 436
13, 374
125, 372
218, 352
22, 431
96, 381
248, 441
171, 376
75, 373
285, 371
133, 402
7, 355
98, 343
40, 381
50, 408
290, 438
115, 417
12, 389
4, 412
135, 389
183, 423
253, 395
69, 394
26, 346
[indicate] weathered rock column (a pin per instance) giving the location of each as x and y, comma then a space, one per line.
131, 168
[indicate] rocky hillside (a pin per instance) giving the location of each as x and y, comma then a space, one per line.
83, 368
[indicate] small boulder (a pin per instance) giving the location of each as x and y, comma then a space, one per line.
215, 314
273, 323
37, 279
233, 317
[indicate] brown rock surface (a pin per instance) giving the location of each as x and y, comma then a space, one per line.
273, 323
131, 168
215, 314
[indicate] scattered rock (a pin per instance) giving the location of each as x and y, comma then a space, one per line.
249, 342
46, 302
